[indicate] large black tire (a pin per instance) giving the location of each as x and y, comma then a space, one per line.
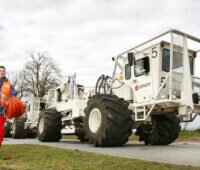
163, 131
31, 133
80, 133
18, 131
7, 133
49, 126
115, 125
79, 129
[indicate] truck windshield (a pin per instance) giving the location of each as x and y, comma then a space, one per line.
177, 61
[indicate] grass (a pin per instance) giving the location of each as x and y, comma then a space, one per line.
69, 137
190, 133
131, 138
30, 157
184, 135
25, 157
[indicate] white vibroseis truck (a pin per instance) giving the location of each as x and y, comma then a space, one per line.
26, 126
152, 87
64, 112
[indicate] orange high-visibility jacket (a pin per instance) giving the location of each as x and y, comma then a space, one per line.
5, 93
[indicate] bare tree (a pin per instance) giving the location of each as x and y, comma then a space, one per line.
40, 74
16, 79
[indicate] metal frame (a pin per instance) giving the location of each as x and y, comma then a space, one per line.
185, 101
191, 118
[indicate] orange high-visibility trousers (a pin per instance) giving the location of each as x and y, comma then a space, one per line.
2, 127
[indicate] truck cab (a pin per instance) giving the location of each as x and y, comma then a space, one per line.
159, 76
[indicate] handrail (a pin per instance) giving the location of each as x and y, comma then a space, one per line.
160, 35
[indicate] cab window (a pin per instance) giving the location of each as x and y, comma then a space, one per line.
127, 71
142, 66
177, 61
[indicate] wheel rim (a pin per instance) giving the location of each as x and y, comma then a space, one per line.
95, 120
41, 125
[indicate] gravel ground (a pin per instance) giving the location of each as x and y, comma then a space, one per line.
182, 153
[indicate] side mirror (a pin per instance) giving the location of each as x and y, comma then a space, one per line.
146, 64
131, 59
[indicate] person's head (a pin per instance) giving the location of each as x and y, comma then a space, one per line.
2, 72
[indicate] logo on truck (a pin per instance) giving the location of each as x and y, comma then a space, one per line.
137, 87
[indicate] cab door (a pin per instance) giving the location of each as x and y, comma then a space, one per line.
142, 81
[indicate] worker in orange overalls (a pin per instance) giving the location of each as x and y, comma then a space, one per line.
6, 90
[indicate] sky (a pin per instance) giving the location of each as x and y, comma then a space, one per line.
82, 36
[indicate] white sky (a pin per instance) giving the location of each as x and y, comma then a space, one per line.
83, 35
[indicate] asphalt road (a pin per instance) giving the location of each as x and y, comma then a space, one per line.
182, 153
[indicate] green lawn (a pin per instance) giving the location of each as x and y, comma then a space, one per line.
28, 157
183, 136
187, 135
